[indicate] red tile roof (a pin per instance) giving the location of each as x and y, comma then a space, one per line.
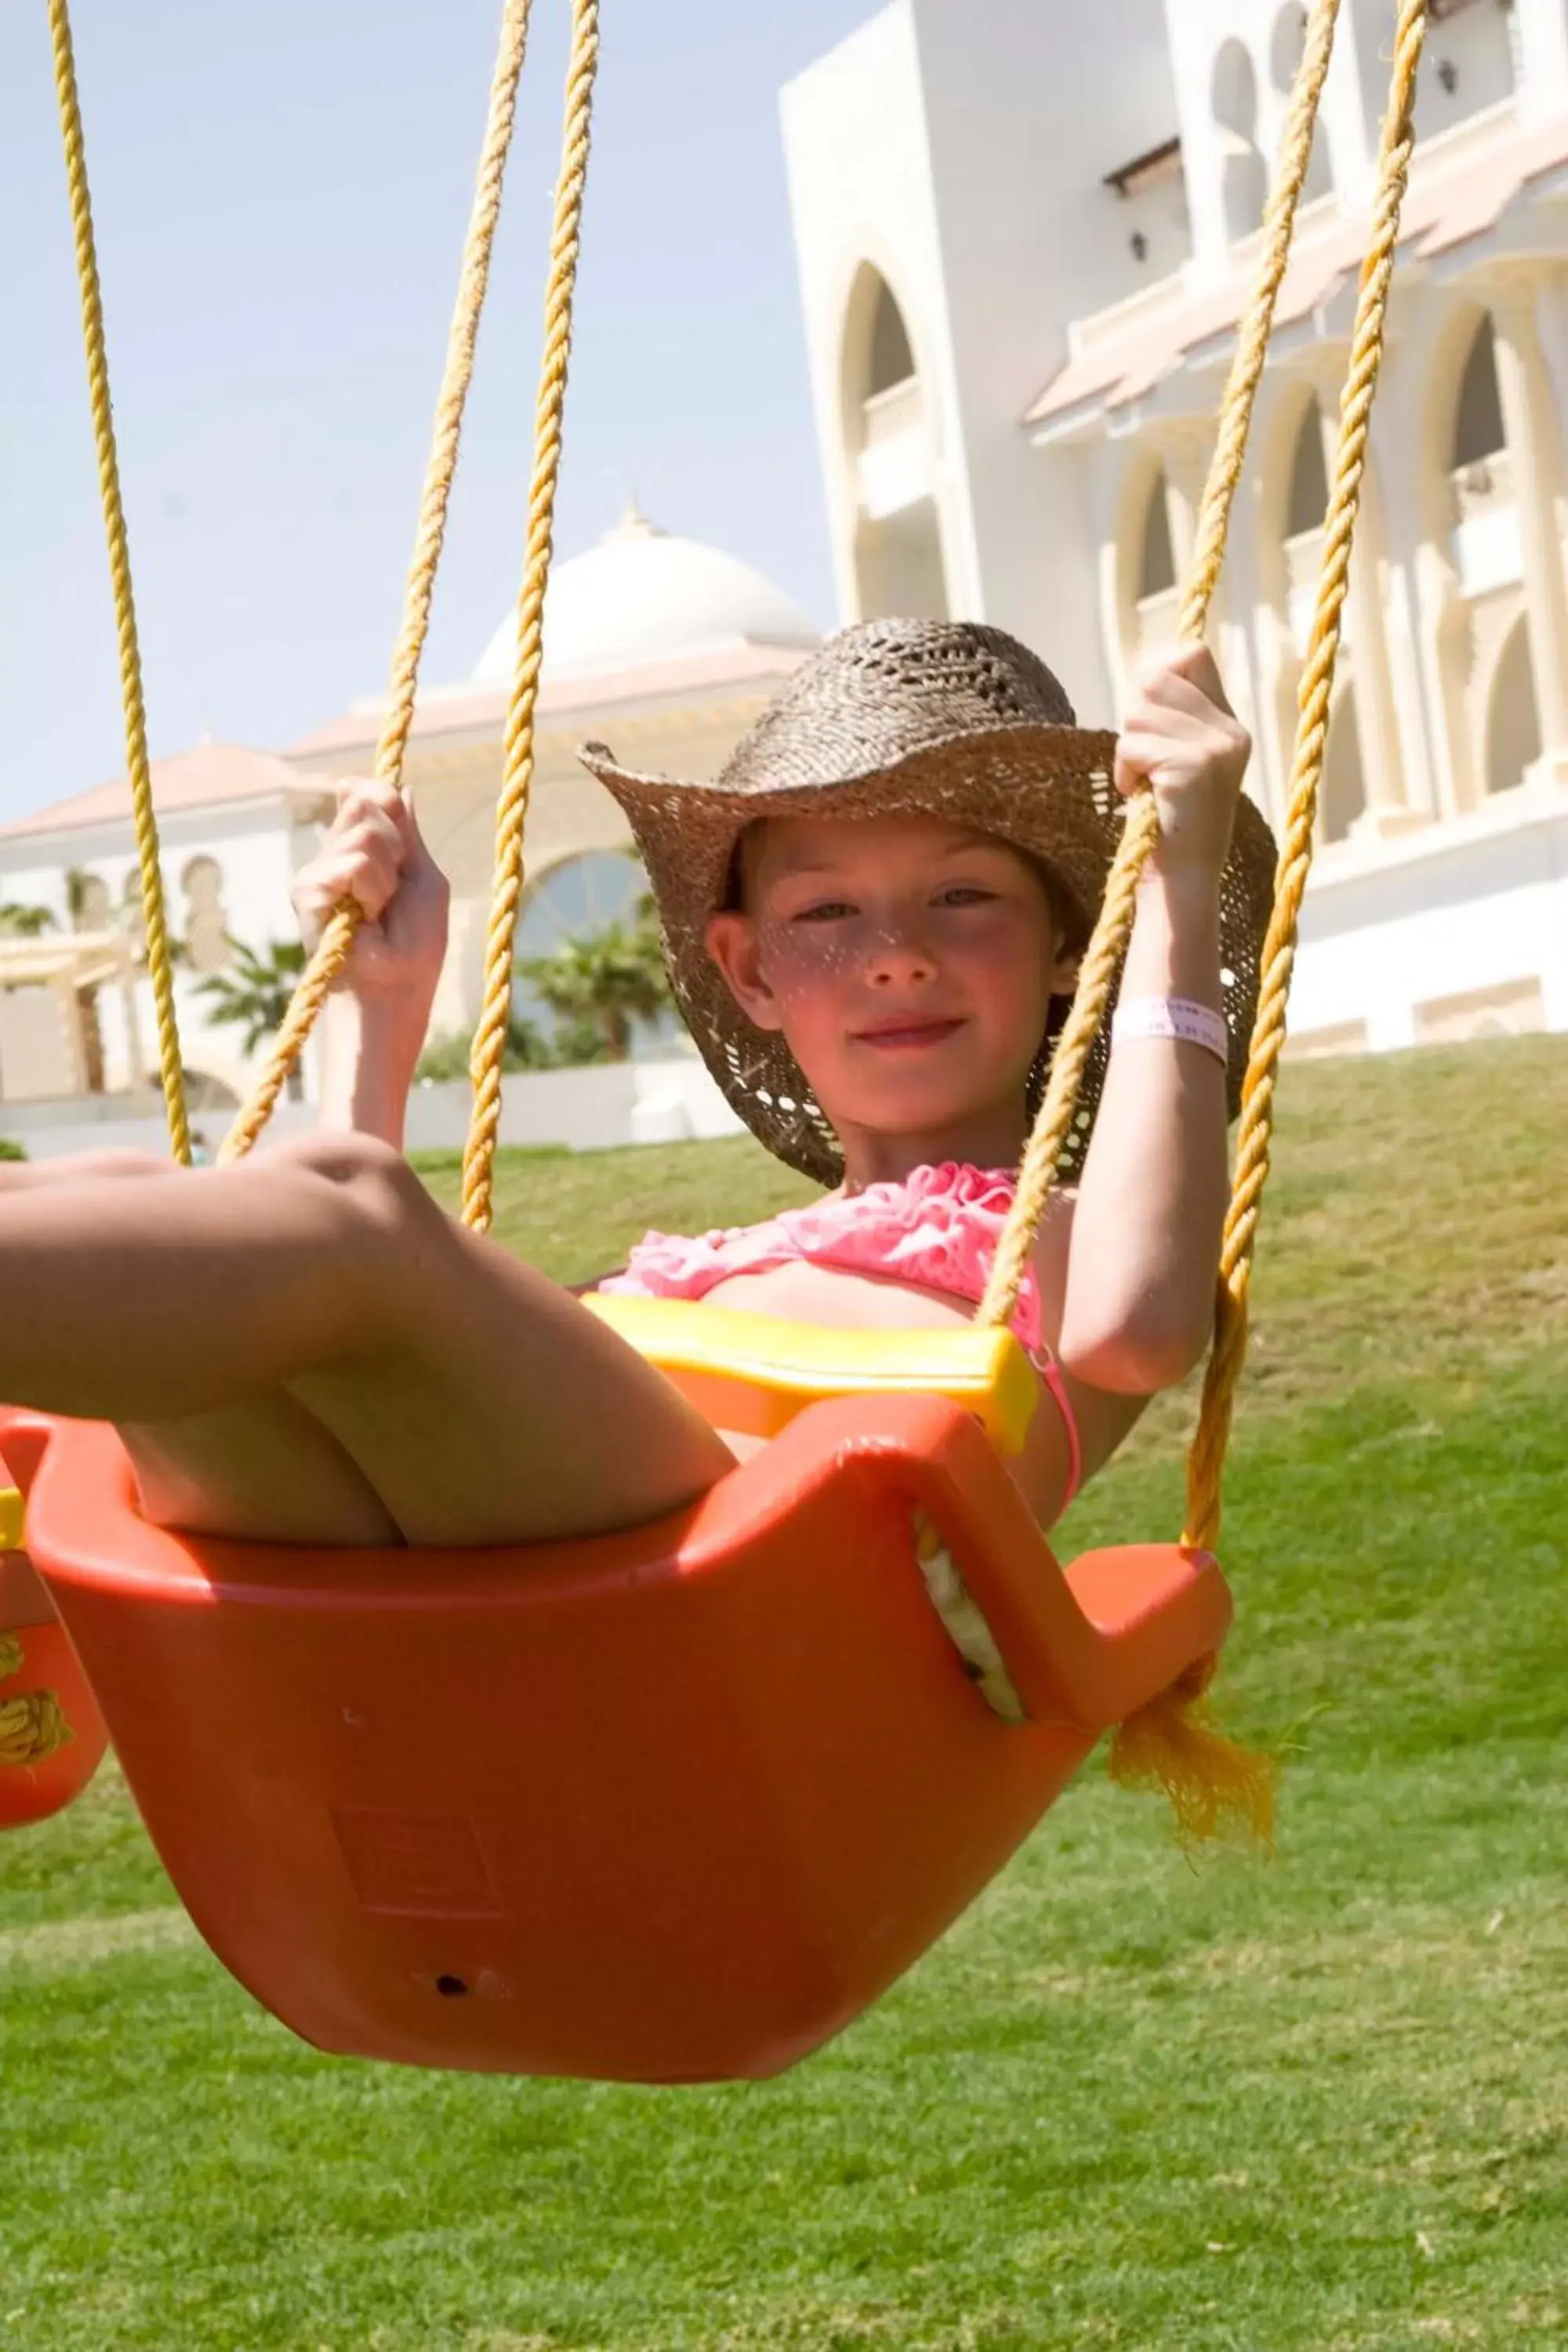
207, 776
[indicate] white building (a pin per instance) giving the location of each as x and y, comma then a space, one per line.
76, 1009
663, 647
667, 648
1025, 231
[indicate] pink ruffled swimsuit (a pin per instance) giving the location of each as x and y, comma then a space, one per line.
936, 1230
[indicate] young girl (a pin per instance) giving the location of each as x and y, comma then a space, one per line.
871, 922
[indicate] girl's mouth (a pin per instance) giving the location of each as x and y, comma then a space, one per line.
907, 1036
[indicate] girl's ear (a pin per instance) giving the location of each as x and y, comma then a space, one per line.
1063, 979
731, 942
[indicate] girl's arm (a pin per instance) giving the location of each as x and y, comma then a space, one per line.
374, 1024
368, 1056
1139, 1299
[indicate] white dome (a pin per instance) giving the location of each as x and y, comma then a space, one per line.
641, 597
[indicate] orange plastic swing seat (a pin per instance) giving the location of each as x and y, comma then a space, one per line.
33, 1791
667, 1806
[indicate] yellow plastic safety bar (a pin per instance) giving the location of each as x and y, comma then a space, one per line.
753, 1373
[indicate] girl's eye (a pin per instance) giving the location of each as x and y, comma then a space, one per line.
827, 910
965, 894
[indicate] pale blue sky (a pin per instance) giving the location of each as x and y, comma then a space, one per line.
281, 194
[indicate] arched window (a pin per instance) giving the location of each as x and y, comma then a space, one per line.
1234, 91
888, 420
1309, 500
1157, 553
892, 359
207, 947
580, 898
86, 896
590, 917
1343, 797
1234, 102
1285, 45
134, 923
1479, 431
1513, 720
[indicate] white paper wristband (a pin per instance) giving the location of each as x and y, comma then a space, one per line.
1173, 1016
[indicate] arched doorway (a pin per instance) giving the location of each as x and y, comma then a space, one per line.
1243, 182
1285, 45
1157, 548
133, 915
897, 553
1342, 794
1306, 507
1484, 555
1306, 502
1150, 590
1478, 444
891, 360
1513, 719
91, 910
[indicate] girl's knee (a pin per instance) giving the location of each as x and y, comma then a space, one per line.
340, 1159
364, 1181
379, 1236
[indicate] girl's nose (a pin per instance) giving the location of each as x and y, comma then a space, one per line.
899, 957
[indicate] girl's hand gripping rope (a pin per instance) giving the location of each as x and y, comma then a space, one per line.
375, 1021
1182, 737
375, 855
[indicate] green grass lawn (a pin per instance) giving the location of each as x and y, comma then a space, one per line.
1301, 2106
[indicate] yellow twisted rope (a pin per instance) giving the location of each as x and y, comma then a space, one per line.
1103, 957
332, 950
160, 963
1206, 1460
518, 756
32, 1725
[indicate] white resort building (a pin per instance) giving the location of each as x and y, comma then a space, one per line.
77, 1038
1025, 235
1026, 230
663, 647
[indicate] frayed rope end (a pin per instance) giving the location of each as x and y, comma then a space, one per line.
1216, 1788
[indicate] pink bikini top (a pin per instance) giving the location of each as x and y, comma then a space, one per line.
938, 1230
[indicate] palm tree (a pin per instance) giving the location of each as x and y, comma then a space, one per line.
18, 922
447, 1058
255, 995
600, 985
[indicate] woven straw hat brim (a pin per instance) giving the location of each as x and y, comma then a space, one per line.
1046, 789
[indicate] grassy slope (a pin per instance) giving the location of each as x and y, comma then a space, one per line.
1317, 2104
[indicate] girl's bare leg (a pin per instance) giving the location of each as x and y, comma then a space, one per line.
319, 1306
263, 1468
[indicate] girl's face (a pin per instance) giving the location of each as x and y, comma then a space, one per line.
909, 963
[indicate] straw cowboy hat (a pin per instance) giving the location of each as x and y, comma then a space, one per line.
908, 718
